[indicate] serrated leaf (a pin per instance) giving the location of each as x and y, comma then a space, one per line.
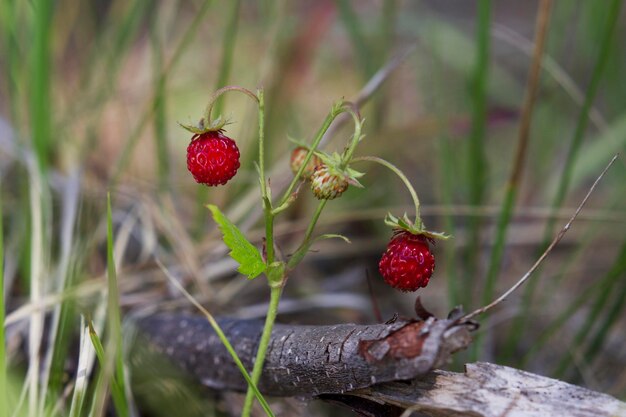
249, 259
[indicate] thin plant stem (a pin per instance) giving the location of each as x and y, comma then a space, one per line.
220, 333
538, 262
476, 159
356, 137
523, 139
275, 277
306, 242
400, 174
318, 138
272, 311
218, 93
517, 329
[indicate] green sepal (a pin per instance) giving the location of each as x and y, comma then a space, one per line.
333, 162
202, 127
415, 227
242, 251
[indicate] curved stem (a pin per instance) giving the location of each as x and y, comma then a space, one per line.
306, 242
401, 175
335, 111
356, 138
218, 93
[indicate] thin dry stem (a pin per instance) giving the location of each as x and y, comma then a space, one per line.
555, 241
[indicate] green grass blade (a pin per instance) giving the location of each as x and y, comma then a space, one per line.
40, 71
220, 333
3, 360
114, 325
476, 156
601, 303
517, 329
134, 136
160, 109
117, 391
583, 117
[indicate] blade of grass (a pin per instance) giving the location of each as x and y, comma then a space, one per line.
37, 268
446, 173
11, 52
117, 391
83, 371
4, 410
517, 328
40, 73
60, 332
102, 67
220, 333
114, 326
476, 157
601, 302
134, 136
160, 109
583, 118
523, 139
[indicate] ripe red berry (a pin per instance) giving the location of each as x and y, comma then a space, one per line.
408, 263
298, 156
327, 184
212, 158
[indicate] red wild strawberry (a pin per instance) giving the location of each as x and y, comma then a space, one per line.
408, 263
327, 184
298, 156
212, 158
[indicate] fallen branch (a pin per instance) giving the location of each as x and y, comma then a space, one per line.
377, 370
305, 361
489, 390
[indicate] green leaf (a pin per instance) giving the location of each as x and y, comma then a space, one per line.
242, 251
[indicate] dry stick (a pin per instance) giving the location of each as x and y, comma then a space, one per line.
556, 240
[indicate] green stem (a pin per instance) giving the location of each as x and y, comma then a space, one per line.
218, 93
337, 109
263, 343
220, 334
405, 180
306, 242
356, 138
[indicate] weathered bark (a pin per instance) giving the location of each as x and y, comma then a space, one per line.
306, 360
488, 390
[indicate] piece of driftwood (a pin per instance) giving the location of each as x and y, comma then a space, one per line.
488, 390
306, 361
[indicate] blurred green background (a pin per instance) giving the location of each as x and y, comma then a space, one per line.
90, 96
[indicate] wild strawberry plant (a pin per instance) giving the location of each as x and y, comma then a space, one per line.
213, 159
